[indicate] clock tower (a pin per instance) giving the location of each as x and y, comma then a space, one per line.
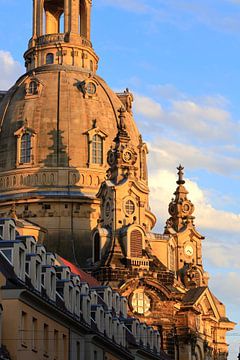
180, 226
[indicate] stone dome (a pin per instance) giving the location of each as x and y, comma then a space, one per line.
62, 118
58, 123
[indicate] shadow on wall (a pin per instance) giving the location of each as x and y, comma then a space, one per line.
58, 155
60, 207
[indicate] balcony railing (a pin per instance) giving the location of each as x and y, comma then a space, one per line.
56, 38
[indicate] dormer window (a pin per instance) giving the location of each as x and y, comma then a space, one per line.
25, 145
96, 139
97, 149
26, 148
33, 88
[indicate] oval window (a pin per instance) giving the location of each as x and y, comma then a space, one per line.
91, 88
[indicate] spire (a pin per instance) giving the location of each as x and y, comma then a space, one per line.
61, 35
122, 157
180, 208
180, 175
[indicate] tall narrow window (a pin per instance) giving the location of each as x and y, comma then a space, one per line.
56, 344
46, 339
97, 149
64, 346
78, 350
96, 247
136, 244
25, 156
49, 58
34, 334
33, 88
23, 329
61, 23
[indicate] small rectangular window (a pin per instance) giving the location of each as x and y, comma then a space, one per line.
45, 339
34, 334
65, 346
23, 329
56, 344
78, 350
46, 207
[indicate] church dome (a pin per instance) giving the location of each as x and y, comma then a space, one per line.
58, 123
71, 117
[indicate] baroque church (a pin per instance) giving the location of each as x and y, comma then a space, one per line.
73, 170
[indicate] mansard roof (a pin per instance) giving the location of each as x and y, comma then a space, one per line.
85, 277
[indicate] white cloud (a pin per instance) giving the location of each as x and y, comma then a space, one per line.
163, 184
147, 107
221, 254
201, 133
10, 70
206, 119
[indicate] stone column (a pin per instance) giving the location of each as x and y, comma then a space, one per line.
88, 20
74, 16
66, 16
39, 21
34, 30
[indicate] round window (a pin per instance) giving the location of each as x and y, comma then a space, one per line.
141, 303
129, 207
91, 88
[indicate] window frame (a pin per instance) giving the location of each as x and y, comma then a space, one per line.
91, 134
19, 134
25, 148
97, 149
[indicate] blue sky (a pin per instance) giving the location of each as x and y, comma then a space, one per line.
181, 59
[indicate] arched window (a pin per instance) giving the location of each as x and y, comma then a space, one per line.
26, 147
33, 88
96, 246
49, 58
61, 23
97, 149
136, 246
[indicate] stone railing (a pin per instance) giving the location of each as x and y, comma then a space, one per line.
160, 236
56, 38
50, 38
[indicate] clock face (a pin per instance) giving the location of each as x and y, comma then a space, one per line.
188, 250
127, 156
